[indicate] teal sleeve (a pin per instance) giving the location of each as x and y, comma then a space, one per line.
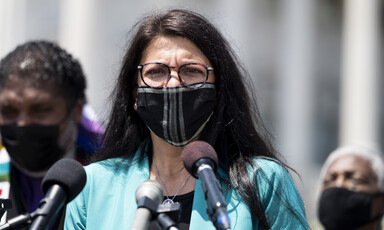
76, 215
283, 205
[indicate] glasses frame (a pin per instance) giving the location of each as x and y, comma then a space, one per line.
141, 67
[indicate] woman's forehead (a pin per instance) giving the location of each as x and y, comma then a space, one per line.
162, 48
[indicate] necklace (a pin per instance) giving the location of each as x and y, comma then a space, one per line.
168, 201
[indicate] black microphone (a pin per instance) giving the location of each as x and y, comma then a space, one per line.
148, 196
62, 183
200, 160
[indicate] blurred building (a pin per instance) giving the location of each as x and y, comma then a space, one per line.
315, 90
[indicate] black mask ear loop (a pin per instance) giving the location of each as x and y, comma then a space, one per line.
133, 89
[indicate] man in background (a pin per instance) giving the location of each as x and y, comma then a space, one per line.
42, 98
352, 189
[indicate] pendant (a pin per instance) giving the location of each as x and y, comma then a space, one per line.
168, 202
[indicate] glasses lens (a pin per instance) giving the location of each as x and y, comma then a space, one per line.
192, 74
155, 75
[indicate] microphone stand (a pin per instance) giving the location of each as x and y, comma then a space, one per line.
164, 214
18, 222
166, 223
5, 205
42, 216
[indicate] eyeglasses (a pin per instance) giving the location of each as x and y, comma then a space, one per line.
157, 75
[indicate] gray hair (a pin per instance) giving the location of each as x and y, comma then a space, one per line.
374, 156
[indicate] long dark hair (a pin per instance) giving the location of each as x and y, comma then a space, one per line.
235, 131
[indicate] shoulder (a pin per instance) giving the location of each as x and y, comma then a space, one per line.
271, 177
115, 168
114, 180
101, 168
268, 164
120, 165
101, 174
268, 168
278, 193
100, 181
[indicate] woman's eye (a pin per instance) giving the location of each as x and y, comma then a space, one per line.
155, 72
191, 70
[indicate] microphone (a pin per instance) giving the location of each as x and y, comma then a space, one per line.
200, 160
62, 183
148, 196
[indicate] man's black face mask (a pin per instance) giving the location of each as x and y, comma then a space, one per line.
340, 208
34, 148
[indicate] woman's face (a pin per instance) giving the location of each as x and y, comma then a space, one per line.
174, 51
351, 172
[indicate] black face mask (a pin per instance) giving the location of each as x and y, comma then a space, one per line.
34, 148
340, 208
176, 114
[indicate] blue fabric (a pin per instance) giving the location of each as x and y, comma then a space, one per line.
90, 131
31, 189
108, 198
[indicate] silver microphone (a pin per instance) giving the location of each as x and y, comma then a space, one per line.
153, 191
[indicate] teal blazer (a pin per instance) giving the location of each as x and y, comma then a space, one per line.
108, 198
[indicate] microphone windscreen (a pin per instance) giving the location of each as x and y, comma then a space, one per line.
151, 189
68, 174
195, 151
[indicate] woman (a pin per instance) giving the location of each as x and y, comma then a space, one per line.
180, 82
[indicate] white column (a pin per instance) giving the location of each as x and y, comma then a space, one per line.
296, 87
79, 34
295, 81
12, 24
359, 121
96, 32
